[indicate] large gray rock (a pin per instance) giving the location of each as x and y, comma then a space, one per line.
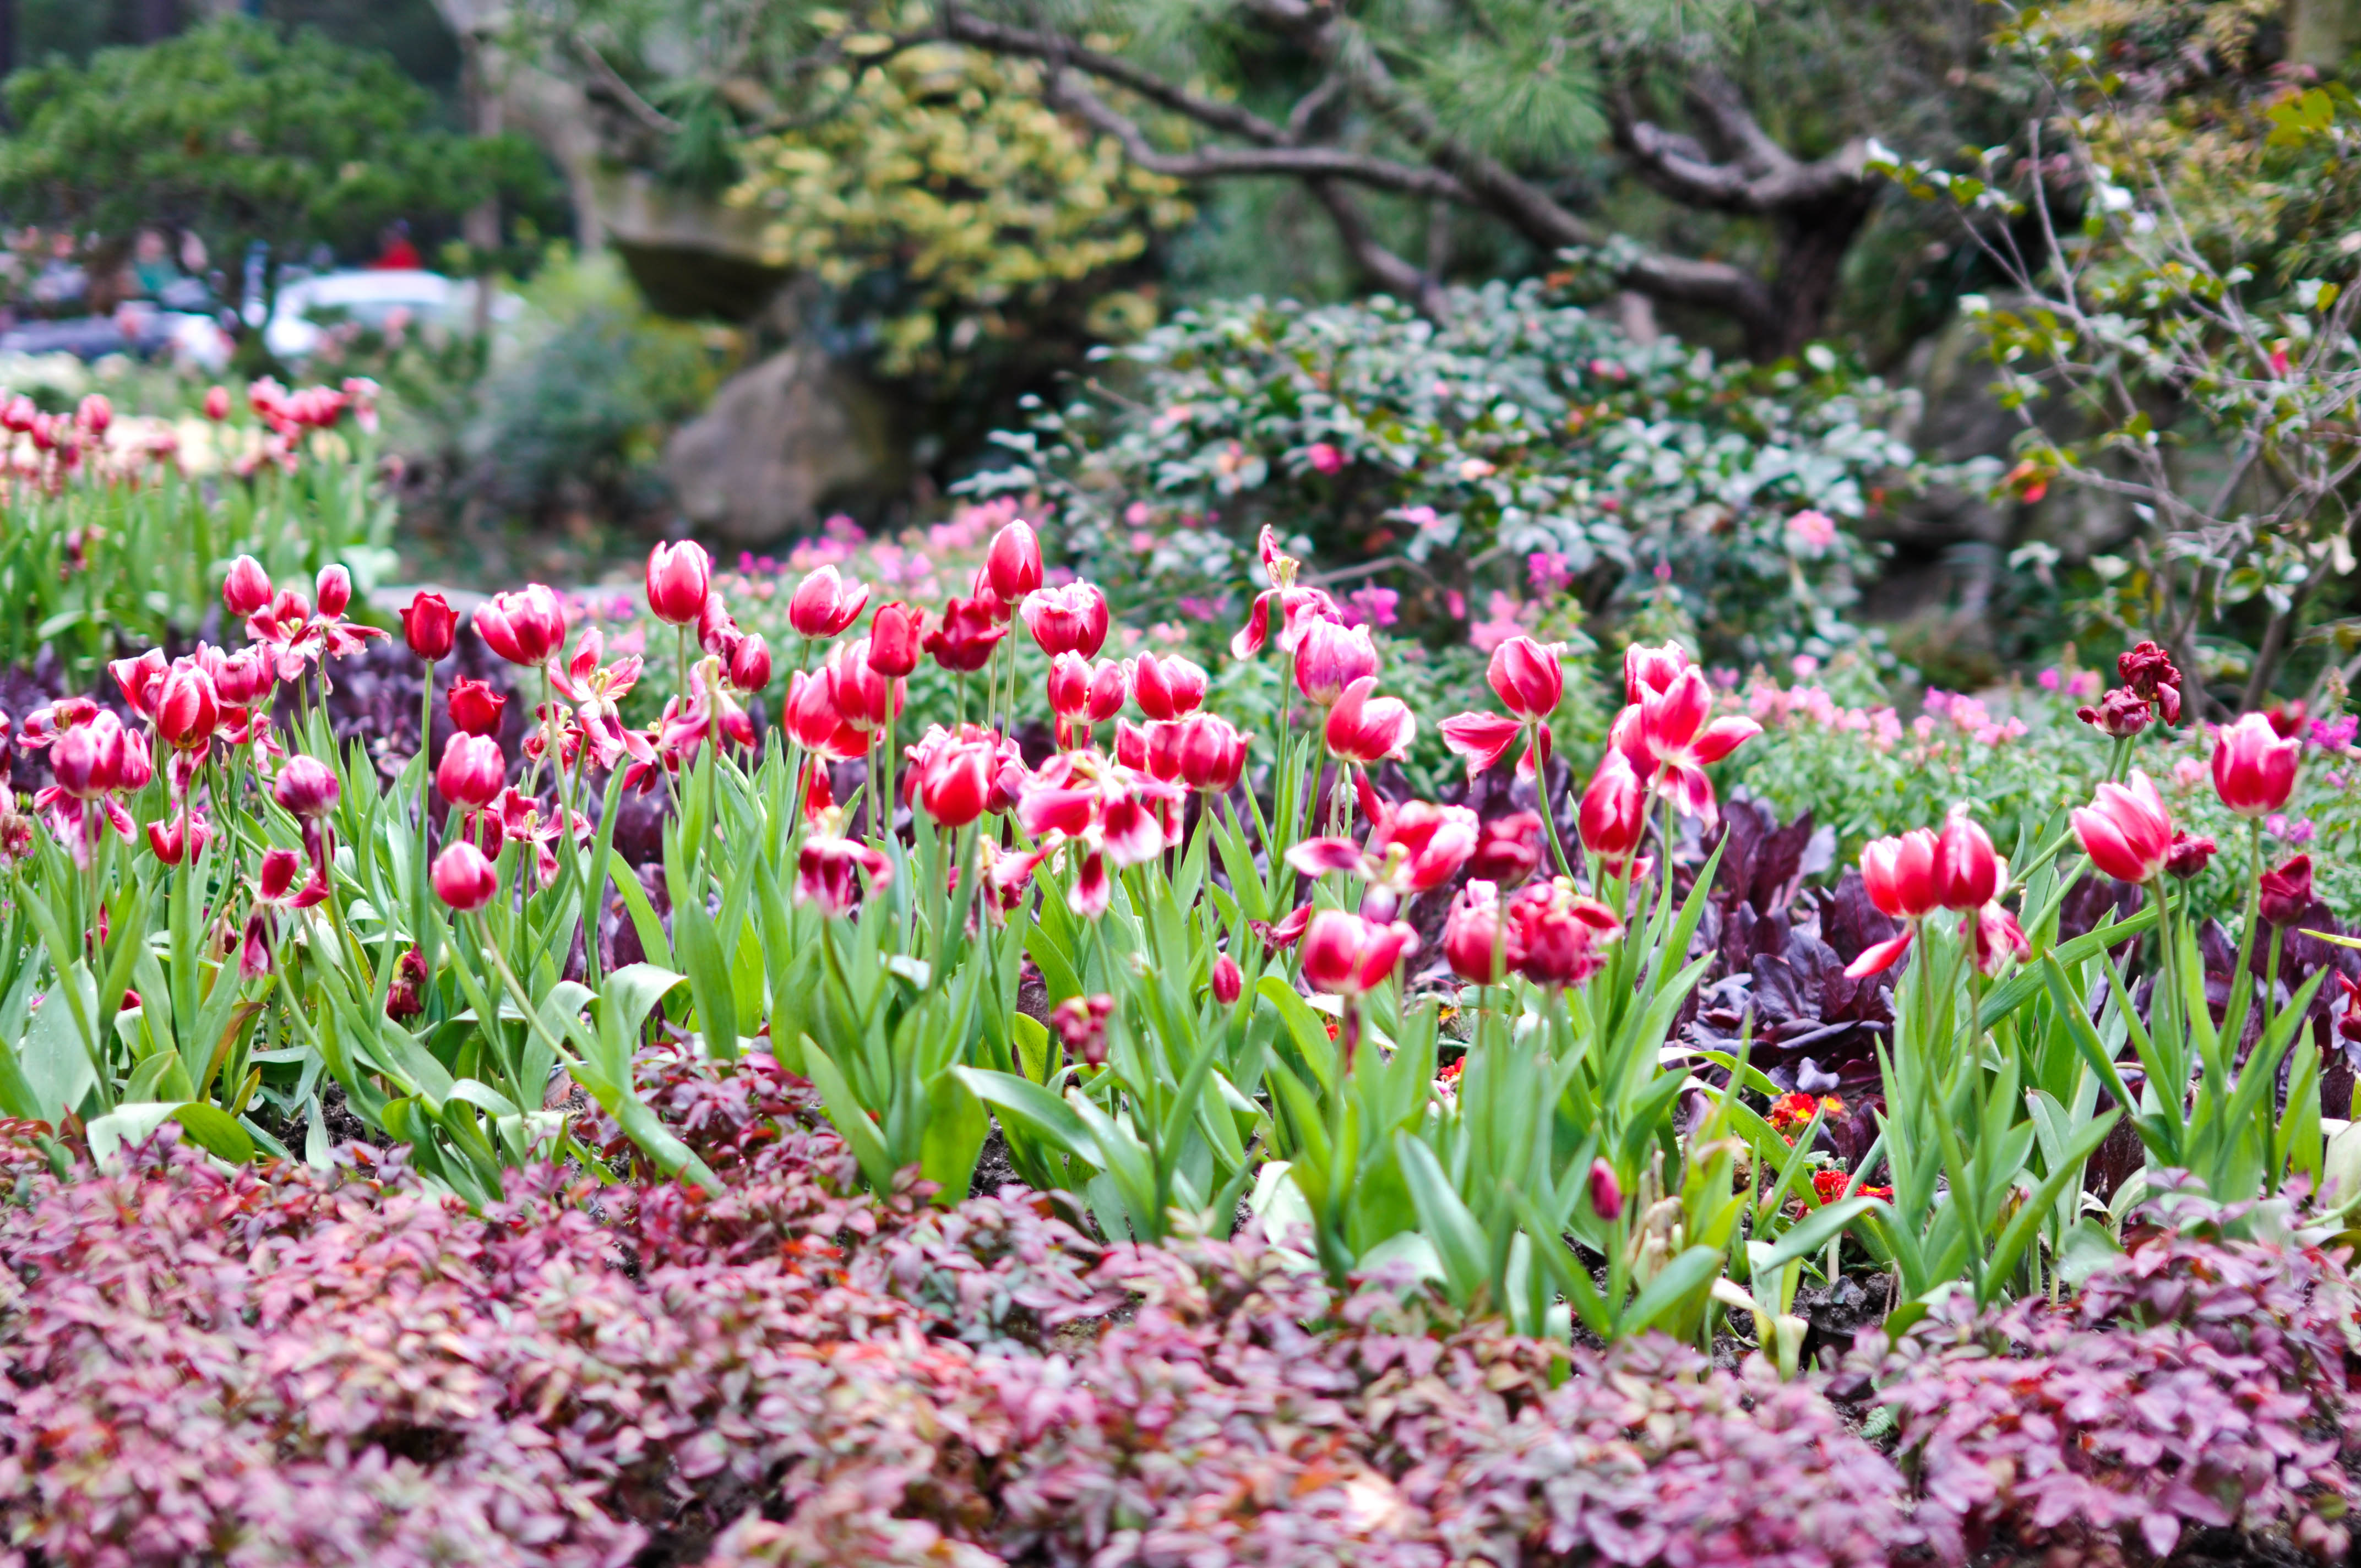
784, 441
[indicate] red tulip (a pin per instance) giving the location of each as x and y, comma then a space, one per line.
2147, 672
1898, 874
1212, 753
1483, 739
1613, 820
861, 694
187, 709
131, 775
1417, 846
246, 589
1606, 1192
1527, 678
894, 639
1671, 736
475, 707
679, 579
334, 590
1332, 657
2120, 715
954, 782
2287, 891
1508, 850
217, 404
1229, 981
822, 606
1109, 687
965, 640
1345, 955
429, 627
1996, 937
827, 872
2126, 830
750, 664
1651, 670
141, 680
2189, 855
813, 721
1967, 870
523, 628
1069, 685
1012, 562
473, 773
1554, 932
464, 879
2254, 769
1068, 619
1363, 727
240, 679
306, 787
178, 838
1166, 688
87, 759
1472, 937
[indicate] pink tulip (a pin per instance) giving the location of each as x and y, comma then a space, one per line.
2126, 830
679, 580
463, 878
2254, 769
822, 606
1527, 678
1364, 728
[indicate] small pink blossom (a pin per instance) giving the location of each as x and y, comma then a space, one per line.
2334, 734
2050, 679
1811, 533
1504, 618
1371, 606
1549, 571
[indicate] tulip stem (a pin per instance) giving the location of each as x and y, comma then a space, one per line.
2237, 1027
1549, 813
425, 757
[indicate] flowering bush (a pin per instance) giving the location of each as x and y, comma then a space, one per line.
1514, 460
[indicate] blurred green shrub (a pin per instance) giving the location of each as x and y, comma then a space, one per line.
1516, 461
944, 188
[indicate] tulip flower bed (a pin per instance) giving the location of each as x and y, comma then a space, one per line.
1481, 1081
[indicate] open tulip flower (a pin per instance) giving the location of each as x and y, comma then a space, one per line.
1670, 736
2126, 831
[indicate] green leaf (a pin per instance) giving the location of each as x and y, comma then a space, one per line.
1682, 1278
1444, 1220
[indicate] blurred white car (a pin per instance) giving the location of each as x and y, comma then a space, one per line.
308, 308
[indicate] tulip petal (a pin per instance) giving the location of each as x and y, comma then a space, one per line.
1482, 737
1878, 958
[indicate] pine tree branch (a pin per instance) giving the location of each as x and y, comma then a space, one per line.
1389, 271
1067, 91
1753, 174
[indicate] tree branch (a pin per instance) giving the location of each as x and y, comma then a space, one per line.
962, 27
1066, 91
1388, 271
1751, 174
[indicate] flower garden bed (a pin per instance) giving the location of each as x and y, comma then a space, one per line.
515, 1119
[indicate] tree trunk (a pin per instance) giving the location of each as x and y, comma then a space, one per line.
2323, 32
1812, 244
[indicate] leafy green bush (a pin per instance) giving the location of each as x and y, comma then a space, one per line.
1491, 464
242, 133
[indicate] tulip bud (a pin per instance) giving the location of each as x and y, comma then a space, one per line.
1471, 934
1068, 619
524, 628
246, 589
429, 627
750, 665
2287, 891
1229, 981
1527, 678
2254, 769
1967, 871
1166, 688
679, 576
1613, 818
306, 787
473, 773
94, 414
1606, 1192
187, 709
1068, 687
1106, 694
953, 784
86, 760
893, 641
2189, 855
1212, 753
1332, 657
475, 707
822, 607
333, 589
463, 878
1013, 562
1508, 850
217, 404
